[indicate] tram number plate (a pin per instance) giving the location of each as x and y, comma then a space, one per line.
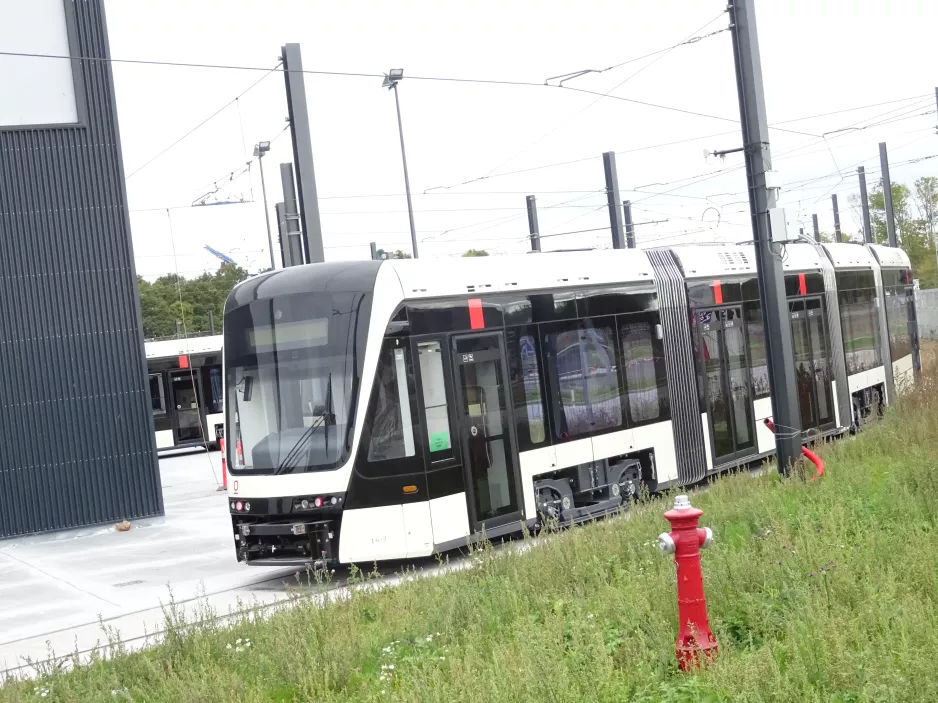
705, 316
466, 358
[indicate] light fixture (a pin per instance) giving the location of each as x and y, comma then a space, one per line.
392, 77
261, 148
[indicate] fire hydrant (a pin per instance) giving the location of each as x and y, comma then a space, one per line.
685, 541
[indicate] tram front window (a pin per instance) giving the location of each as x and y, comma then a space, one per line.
292, 366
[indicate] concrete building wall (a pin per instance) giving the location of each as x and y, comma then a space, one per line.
76, 429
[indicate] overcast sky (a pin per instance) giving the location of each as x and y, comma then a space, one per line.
818, 56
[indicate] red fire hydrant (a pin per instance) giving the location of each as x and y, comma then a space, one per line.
685, 541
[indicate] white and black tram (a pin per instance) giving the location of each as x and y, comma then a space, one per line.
389, 409
186, 391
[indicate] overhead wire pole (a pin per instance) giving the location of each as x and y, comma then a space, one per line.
865, 204
612, 198
817, 231
887, 196
531, 203
838, 235
769, 270
629, 225
298, 114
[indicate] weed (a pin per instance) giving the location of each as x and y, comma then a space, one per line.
820, 591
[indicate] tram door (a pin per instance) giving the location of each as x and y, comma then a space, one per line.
812, 362
187, 420
727, 382
485, 430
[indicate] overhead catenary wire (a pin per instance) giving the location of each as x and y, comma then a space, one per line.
198, 126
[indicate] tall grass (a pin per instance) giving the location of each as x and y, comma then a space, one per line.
821, 591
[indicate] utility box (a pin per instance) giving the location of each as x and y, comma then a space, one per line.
778, 224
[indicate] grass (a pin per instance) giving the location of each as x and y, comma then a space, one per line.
820, 591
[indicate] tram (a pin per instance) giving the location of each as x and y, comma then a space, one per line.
186, 391
384, 410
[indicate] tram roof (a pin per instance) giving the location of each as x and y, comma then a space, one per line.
703, 261
890, 257
168, 348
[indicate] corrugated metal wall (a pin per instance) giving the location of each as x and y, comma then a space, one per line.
76, 430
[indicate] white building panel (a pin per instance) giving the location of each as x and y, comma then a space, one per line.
35, 91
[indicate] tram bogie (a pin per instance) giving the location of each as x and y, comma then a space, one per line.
389, 410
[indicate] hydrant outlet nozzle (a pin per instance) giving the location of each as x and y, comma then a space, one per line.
665, 543
708, 538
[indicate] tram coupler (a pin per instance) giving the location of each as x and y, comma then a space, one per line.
685, 540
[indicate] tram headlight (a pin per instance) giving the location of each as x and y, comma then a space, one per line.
304, 504
247, 507
239, 506
317, 501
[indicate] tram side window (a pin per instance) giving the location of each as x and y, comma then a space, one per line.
897, 320
390, 421
215, 404
436, 406
524, 373
157, 394
645, 377
859, 319
755, 328
587, 379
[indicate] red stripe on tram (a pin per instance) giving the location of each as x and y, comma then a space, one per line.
717, 293
476, 320
802, 286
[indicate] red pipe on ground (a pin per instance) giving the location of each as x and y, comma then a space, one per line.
808, 454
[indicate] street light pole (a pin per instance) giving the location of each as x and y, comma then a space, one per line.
259, 151
390, 81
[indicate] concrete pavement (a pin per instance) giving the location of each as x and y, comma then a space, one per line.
57, 589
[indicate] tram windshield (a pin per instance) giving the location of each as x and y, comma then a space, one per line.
292, 373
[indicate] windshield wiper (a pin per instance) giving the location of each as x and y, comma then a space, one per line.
326, 419
295, 452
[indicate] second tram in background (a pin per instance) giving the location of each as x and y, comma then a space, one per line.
387, 410
186, 391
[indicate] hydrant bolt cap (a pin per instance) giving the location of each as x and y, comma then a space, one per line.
682, 503
665, 543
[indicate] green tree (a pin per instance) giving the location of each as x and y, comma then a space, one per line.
171, 297
911, 233
926, 200
476, 252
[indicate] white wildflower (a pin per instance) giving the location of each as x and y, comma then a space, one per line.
442, 659
229, 646
239, 649
386, 650
384, 677
590, 616
238, 641
248, 644
429, 638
